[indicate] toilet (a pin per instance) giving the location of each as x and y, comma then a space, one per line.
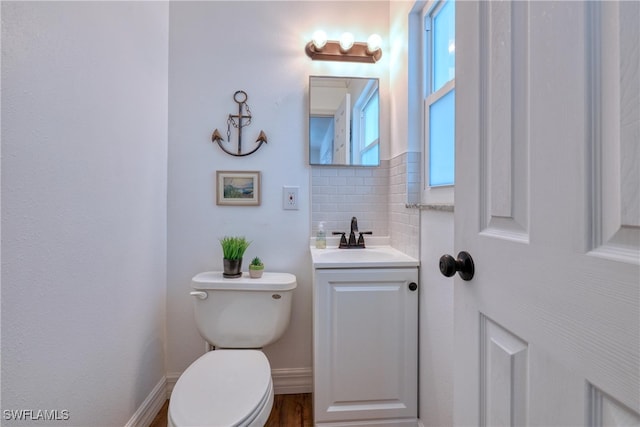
231, 385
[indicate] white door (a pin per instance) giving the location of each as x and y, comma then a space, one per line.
342, 132
547, 333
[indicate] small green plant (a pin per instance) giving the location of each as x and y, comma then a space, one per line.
234, 247
256, 268
256, 264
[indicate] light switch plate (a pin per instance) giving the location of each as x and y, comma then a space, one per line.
290, 197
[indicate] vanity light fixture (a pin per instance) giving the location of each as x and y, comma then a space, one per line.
345, 49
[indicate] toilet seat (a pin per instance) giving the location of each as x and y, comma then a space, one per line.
223, 388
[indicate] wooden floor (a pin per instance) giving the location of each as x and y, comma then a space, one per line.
289, 410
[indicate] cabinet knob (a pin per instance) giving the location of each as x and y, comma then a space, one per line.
413, 286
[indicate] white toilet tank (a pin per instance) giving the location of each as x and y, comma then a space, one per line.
242, 312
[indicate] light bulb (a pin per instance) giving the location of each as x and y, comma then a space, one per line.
346, 42
319, 39
373, 43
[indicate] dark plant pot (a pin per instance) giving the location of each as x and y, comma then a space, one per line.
232, 268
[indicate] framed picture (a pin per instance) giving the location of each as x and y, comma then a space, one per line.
238, 188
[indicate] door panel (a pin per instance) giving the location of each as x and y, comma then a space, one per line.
366, 350
504, 370
504, 141
616, 132
605, 411
546, 146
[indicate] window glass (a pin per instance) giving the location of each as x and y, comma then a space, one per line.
442, 140
444, 42
371, 155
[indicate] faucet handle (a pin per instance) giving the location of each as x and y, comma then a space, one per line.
343, 239
361, 238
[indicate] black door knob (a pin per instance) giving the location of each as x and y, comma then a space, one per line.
413, 286
463, 265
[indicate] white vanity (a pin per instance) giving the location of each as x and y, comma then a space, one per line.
365, 343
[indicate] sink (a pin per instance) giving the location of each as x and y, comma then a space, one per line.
370, 257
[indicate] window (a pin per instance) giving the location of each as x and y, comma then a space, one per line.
439, 97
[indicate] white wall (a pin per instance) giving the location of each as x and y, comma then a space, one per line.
217, 48
401, 139
84, 153
436, 321
435, 227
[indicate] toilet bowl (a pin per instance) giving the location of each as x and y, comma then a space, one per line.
232, 386
223, 388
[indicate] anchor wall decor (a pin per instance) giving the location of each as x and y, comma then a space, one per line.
240, 97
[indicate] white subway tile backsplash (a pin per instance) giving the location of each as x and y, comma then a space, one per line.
359, 192
376, 196
346, 172
404, 223
356, 180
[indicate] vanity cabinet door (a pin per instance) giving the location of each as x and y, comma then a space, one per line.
366, 345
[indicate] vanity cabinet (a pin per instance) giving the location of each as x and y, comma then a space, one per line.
365, 325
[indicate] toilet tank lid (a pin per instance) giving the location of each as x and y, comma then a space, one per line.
214, 280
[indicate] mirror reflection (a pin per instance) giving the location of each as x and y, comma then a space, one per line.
344, 121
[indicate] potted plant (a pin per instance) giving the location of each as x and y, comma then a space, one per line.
256, 268
232, 251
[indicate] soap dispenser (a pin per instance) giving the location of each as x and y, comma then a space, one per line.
321, 237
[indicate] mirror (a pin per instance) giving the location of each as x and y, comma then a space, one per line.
344, 121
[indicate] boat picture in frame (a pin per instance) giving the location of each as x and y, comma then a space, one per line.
238, 188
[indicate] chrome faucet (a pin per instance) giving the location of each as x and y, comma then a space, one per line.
352, 242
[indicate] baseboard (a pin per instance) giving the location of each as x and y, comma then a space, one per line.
292, 381
411, 422
285, 381
148, 410
172, 379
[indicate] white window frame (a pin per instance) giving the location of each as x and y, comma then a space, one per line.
443, 194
